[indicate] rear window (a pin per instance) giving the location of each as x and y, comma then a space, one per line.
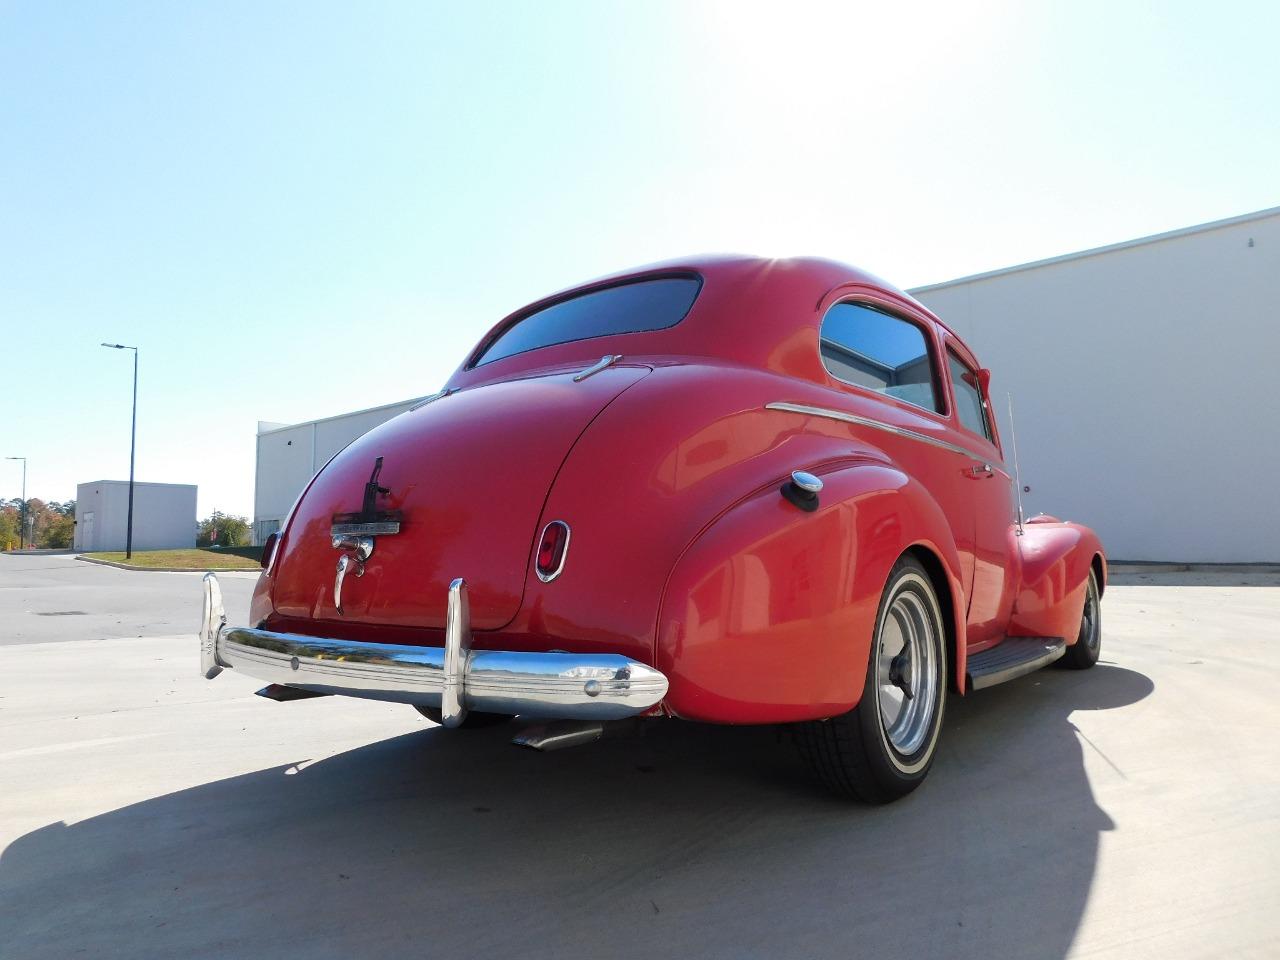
629, 308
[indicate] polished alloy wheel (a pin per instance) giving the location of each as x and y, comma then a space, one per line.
907, 671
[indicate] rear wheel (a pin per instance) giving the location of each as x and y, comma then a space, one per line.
472, 721
1083, 654
882, 749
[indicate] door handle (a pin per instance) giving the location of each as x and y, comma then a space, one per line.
982, 471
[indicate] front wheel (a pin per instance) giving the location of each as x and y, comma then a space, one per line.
1083, 654
882, 749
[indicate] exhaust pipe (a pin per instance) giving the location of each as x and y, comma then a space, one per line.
559, 734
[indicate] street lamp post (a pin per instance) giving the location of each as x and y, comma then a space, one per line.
133, 443
22, 526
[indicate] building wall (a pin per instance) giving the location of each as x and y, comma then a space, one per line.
1143, 379
164, 516
290, 455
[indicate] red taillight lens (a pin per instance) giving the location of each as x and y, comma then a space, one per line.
551, 550
269, 550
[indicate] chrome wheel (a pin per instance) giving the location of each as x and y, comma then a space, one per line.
882, 748
907, 668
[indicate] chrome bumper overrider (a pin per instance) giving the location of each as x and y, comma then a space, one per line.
454, 678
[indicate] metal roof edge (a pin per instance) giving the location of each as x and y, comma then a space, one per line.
1094, 251
276, 427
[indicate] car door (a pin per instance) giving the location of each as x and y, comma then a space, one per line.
991, 497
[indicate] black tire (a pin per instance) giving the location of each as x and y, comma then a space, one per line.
853, 754
472, 721
1083, 654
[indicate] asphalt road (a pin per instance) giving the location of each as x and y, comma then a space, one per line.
54, 597
1128, 811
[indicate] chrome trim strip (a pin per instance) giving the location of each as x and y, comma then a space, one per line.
376, 528
603, 686
564, 555
430, 399
608, 360
830, 414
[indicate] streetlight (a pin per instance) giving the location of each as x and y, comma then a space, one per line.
22, 528
133, 443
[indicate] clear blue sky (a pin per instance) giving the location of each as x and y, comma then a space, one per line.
301, 209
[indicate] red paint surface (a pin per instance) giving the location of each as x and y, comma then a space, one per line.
667, 469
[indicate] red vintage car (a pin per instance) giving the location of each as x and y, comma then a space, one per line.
727, 490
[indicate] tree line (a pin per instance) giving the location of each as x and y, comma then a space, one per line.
50, 526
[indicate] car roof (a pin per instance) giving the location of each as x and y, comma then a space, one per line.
749, 308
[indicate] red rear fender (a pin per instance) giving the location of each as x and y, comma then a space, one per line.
768, 616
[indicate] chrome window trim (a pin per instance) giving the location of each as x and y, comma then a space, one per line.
807, 410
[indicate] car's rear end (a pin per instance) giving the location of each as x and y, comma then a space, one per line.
405, 566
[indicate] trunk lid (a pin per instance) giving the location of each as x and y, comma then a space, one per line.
469, 474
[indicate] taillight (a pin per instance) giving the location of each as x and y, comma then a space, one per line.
269, 550
552, 548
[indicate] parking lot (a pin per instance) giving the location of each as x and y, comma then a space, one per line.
1129, 811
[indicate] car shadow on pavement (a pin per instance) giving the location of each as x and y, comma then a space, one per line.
689, 840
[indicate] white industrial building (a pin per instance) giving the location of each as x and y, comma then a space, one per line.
1142, 385
164, 516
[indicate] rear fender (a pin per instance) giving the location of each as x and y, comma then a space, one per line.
768, 615
1056, 560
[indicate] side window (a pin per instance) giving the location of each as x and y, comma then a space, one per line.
969, 406
869, 348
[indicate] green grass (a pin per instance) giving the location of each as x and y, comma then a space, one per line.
226, 558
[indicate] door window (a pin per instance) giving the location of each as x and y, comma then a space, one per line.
970, 406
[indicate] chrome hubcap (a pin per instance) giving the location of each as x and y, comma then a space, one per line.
907, 672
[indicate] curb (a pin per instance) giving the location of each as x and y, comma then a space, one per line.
126, 566
1140, 566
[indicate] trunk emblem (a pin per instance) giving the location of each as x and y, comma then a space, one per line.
370, 521
353, 533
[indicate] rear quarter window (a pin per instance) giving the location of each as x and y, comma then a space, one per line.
636, 307
877, 351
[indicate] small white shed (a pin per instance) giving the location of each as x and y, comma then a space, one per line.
164, 515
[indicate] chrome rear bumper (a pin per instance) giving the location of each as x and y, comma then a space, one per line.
454, 678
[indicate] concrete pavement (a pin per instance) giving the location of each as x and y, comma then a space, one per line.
1128, 811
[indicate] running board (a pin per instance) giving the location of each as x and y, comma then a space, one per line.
1011, 658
